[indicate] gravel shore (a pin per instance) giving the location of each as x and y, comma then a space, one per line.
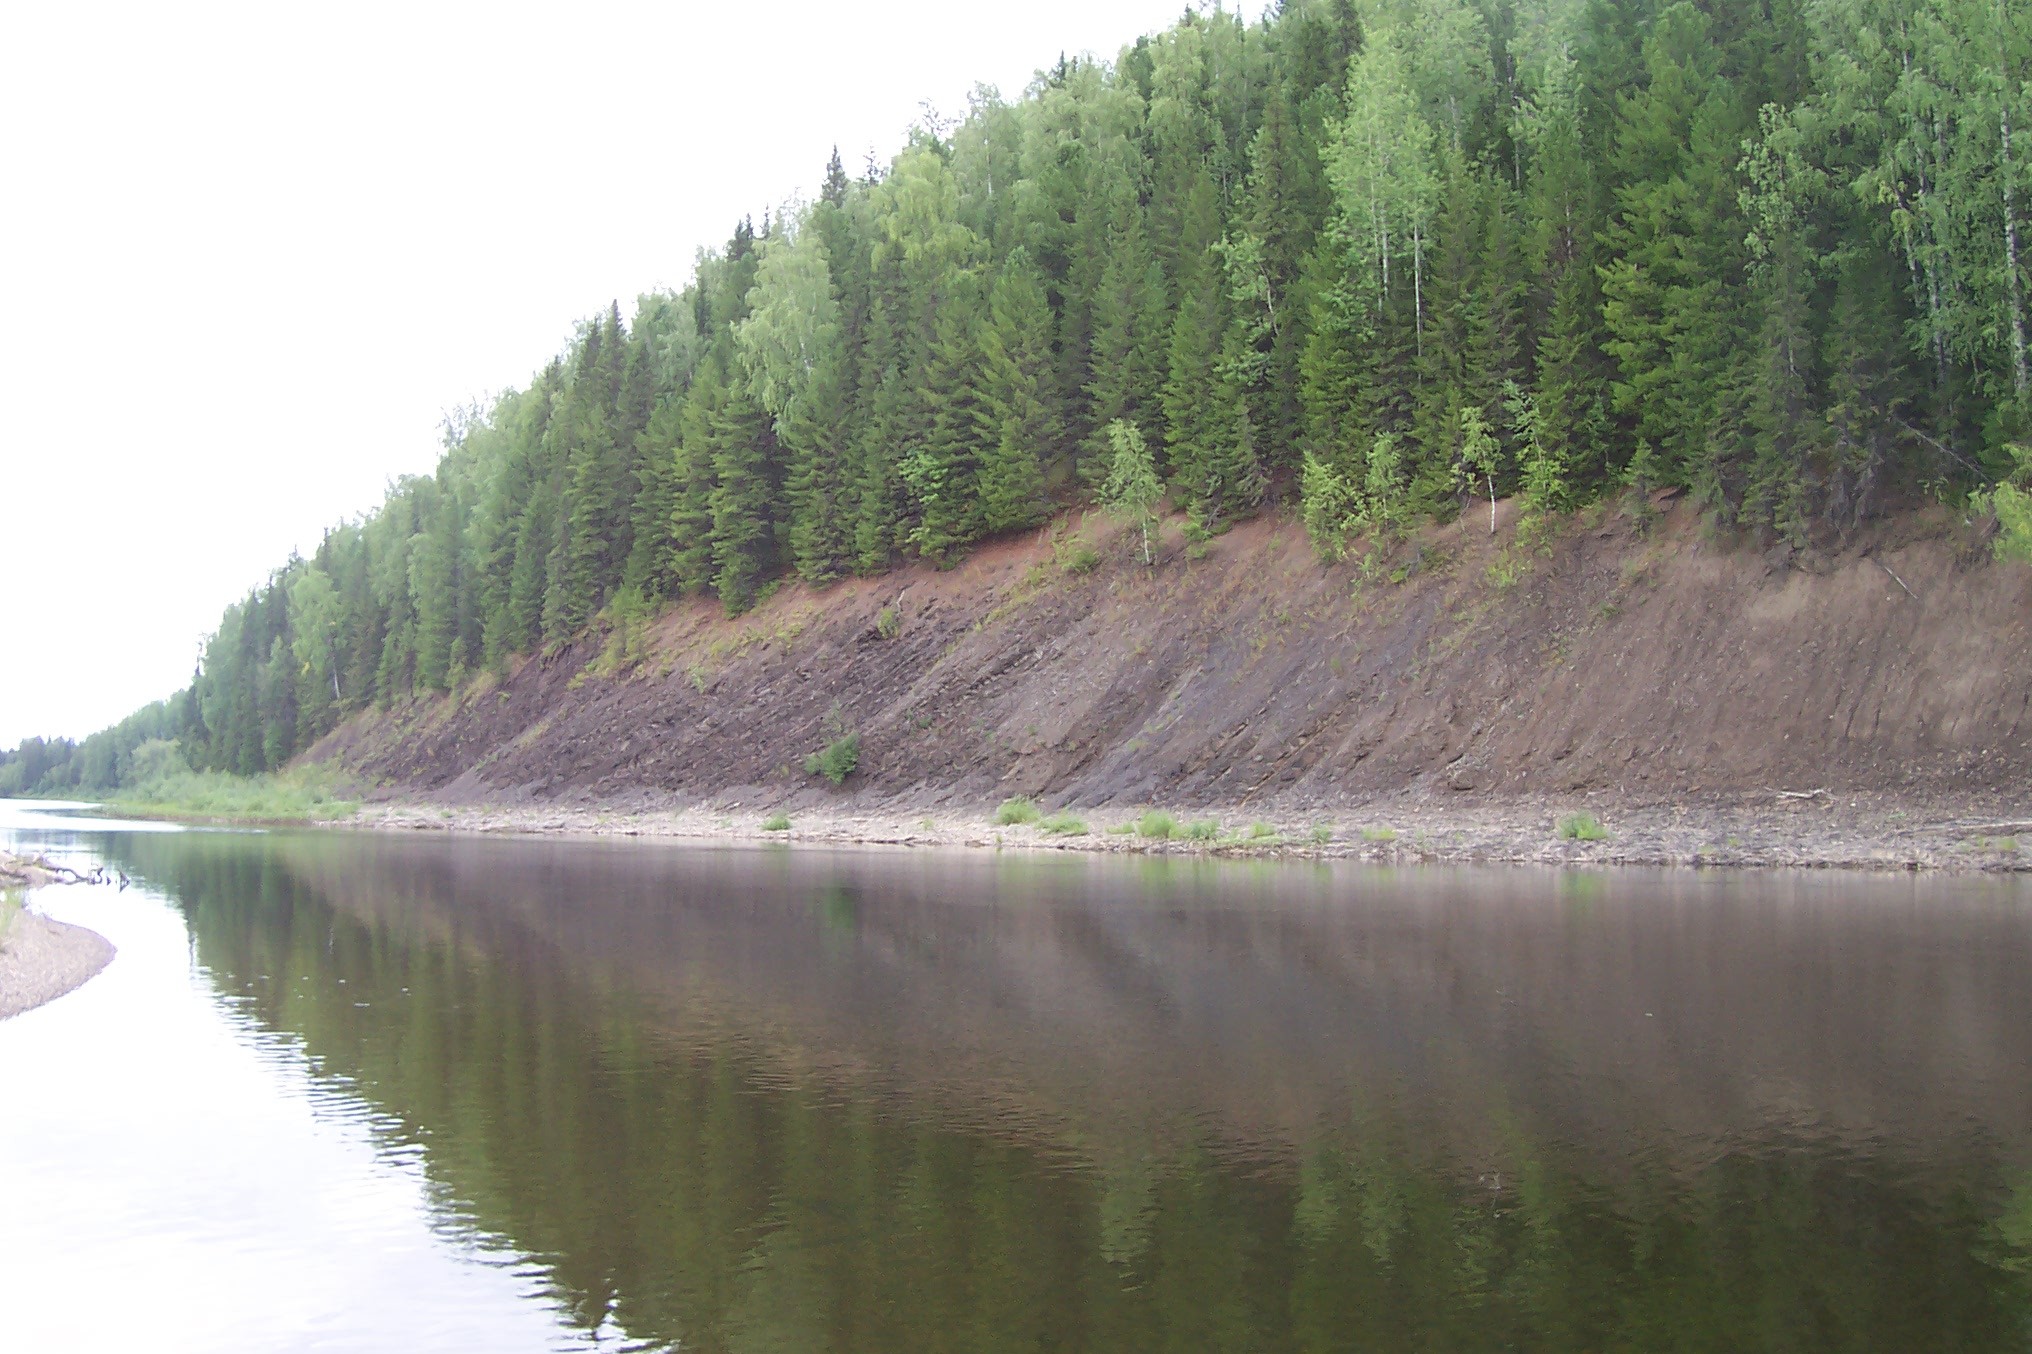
1818, 830
41, 960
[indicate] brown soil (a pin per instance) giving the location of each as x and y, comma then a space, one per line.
1639, 672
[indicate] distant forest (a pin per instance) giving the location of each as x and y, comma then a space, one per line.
1365, 257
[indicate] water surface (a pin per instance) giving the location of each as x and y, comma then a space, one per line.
374, 1092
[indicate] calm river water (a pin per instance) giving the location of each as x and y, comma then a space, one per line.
372, 1092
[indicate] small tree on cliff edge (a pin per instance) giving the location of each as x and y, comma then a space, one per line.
1132, 489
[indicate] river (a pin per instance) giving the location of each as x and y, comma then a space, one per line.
353, 1091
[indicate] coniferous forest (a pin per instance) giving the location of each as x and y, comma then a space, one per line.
1363, 259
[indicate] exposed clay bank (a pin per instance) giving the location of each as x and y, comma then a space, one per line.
1710, 703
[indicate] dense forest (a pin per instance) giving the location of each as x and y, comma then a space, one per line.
1365, 257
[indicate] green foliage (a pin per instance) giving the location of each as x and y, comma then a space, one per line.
1075, 554
1261, 830
1023, 415
628, 616
163, 784
1016, 811
888, 624
776, 822
1506, 570
1379, 834
2011, 505
1480, 454
1582, 827
1157, 825
1336, 503
1542, 467
838, 759
1132, 489
1063, 825
1330, 506
1202, 830
1321, 834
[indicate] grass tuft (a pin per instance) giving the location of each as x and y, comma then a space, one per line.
1582, 827
776, 822
1157, 824
1064, 825
1379, 834
1016, 811
1205, 830
1080, 558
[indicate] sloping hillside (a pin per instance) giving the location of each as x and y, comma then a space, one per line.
1650, 661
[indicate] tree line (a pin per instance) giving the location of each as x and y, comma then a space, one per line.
1367, 257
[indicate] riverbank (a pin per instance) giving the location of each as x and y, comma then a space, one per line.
1467, 697
1778, 830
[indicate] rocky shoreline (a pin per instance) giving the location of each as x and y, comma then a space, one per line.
1786, 830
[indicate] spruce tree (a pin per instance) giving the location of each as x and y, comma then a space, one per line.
1672, 292
745, 499
942, 470
694, 476
1022, 399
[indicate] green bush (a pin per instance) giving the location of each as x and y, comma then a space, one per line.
776, 822
838, 760
2012, 507
1582, 827
887, 623
1260, 830
1205, 830
163, 783
1064, 825
1122, 830
1157, 824
1321, 834
1017, 811
1379, 834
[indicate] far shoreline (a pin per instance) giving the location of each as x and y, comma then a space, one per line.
1820, 830
1875, 833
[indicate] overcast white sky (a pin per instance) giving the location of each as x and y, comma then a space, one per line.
251, 253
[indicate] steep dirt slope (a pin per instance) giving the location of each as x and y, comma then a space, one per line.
1648, 662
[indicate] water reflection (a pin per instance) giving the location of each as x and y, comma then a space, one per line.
752, 1100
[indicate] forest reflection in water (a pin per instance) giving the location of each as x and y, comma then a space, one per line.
809, 1100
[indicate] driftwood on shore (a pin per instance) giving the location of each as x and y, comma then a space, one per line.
37, 871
